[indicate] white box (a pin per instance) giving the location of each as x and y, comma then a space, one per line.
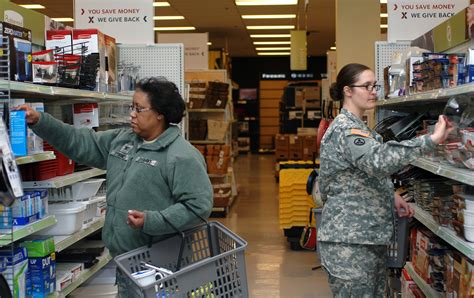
59, 39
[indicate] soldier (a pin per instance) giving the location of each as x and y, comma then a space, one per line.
355, 185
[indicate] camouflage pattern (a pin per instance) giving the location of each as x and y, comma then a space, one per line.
355, 270
354, 180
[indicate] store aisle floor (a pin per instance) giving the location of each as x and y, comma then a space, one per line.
273, 269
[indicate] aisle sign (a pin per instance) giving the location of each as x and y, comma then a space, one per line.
128, 21
409, 19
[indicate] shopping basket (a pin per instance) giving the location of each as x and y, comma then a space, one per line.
207, 261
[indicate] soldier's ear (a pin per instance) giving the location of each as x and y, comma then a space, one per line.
347, 91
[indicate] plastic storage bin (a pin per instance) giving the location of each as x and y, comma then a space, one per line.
69, 216
92, 205
79, 191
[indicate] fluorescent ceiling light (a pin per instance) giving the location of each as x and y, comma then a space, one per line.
332, 48
209, 43
383, 1
271, 42
160, 4
269, 16
32, 6
270, 35
383, 25
273, 53
167, 18
63, 20
265, 2
274, 49
271, 27
384, 15
174, 28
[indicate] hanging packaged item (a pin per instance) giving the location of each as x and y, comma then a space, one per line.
20, 51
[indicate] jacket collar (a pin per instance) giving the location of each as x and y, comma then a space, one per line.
353, 117
164, 140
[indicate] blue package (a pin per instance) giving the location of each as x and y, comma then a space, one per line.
469, 73
18, 133
19, 255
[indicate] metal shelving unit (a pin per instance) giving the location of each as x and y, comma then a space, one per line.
85, 275
446, 170
20, 232
63, 242
62, 181
60, 92
448, 235
424, 287
206, 110
207, 142
429, 96
47, 155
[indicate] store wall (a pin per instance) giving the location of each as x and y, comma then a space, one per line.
246, 70
357, 29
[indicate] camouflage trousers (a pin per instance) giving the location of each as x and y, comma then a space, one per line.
355, 270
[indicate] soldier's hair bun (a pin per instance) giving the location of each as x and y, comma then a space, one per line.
335, 93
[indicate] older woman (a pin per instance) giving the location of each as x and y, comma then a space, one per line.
152, 171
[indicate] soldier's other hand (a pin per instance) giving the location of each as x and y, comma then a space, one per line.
136, 219
32, 115
402, 207
442, 129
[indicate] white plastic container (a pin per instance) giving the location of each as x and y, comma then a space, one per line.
69, 216
468, 217
92, 205
469, 233
79, 191
468, 201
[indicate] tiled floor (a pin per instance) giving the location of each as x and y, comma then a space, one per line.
273, 269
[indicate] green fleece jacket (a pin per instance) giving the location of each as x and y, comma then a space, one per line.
156, 178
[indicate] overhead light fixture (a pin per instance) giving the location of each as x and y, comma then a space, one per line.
161, 4
384, 15
209, 43
174, 28
167, 18
270, 35
383, 1
63, 20
383, 25
32, 6
270, 42
274, 49
265, 2
273, 53
274, 27
268, 16
332, 48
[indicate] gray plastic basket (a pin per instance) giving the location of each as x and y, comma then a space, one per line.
398, 249
212, 264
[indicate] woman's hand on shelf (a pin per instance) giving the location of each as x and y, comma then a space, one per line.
442, 129
32, 115
402, 207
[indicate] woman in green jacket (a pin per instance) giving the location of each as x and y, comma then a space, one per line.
152, 171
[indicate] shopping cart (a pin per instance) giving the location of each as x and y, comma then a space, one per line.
207, 261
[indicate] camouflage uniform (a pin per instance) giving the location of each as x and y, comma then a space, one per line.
358, 196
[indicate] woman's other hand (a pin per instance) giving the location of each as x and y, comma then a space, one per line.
136, 219
402, 207
442, 129
32, 115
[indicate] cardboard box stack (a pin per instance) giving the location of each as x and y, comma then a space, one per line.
295, 147
218, 159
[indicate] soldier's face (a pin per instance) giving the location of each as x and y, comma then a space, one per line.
361, 97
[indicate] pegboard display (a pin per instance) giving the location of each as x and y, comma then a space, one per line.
165, 60
383, 58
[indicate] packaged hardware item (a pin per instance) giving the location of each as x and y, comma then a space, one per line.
59, 40
18, 133
16, 270
45, 72
20, 51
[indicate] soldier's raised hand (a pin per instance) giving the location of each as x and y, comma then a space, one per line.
442, 129
32, 115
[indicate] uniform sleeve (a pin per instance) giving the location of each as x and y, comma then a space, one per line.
381, 159
83, 145
190, 185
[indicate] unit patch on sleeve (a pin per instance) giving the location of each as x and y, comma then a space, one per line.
359, 142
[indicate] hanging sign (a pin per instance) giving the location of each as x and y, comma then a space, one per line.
409, 19
298, 53
128, 21
196, 50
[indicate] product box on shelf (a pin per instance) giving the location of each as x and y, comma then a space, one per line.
86, 115
43, 274
60, 40
111, 63
39, 246
309, 147
95, 43
16, 269
282, 146
421, 258
18, 133
35, 143
462, 282
296, 147
406, 281
20, 51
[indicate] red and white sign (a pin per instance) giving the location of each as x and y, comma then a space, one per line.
86, 115
129, 21
408, 20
